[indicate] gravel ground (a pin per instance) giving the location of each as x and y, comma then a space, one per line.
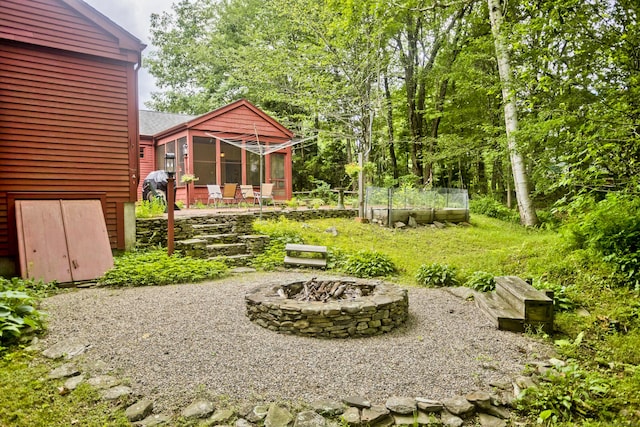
174, 343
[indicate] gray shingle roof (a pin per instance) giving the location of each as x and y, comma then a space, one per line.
153, 122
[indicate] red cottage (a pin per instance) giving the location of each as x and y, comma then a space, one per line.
68, 114
214, 148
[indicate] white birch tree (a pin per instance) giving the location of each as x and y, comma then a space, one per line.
528, 215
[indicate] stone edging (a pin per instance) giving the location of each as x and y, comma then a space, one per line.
487, 409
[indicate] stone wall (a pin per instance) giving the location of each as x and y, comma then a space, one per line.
151, 232
385, 309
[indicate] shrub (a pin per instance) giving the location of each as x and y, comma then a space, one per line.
157, 268
150, 208
437, 275
611, 228
368, 264
18, 314
561, 301
487, 205
481, 281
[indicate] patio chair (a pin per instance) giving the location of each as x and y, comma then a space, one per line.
215, 194
266, 193
229, 193
248, 193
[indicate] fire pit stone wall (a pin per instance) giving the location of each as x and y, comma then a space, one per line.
381, 308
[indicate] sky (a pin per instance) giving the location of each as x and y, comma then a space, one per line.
135, 17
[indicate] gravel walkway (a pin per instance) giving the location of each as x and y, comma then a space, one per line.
174, 343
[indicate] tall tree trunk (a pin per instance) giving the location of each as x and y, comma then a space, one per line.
528, 215
392, 148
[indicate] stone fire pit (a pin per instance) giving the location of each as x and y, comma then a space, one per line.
328, 308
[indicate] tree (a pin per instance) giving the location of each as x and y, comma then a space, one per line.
528, 215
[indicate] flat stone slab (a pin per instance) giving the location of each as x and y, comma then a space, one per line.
68, 349
63, 371
487, 420
309, 419
139, 410
278, 416
199, 409
357, 401
73, 382
154, 420
428, 405
351, 416
221, 416
102, 382
116, 392
401, 405
459, 406
449, 420
374, 414
328, 408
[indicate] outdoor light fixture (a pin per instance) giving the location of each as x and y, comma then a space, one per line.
170, 169
170, 164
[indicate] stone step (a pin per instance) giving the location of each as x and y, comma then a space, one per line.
213, 228
238, 259
226, 249
503, 316
532, 304
218, 238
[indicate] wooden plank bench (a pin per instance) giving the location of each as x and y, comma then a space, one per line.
295, 255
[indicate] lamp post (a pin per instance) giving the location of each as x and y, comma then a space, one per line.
170, 169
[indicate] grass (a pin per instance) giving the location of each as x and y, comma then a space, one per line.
607, 352
29, 399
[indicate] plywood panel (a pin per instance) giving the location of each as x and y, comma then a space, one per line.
87, 239
41, 241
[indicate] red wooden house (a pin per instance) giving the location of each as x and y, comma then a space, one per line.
213, 147
68, 114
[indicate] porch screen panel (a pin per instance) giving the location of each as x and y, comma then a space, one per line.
253, 169
277, 174
230, 163
180, 160
204, 160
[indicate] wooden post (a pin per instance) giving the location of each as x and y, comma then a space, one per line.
170, 220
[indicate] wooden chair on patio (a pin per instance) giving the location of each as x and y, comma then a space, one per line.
248, 193
229, 193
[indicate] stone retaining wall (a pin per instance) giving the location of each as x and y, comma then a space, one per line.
152, 232
383, 310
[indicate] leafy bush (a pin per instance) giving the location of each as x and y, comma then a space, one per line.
611, 228
561, 301
150, 208
368, 264
437, 275
18, 313
568, 392
481, 281
157, 268
490, 207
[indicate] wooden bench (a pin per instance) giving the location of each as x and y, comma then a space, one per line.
295, 255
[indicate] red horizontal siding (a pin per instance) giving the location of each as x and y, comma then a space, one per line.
64, 127
241, 120
54, 24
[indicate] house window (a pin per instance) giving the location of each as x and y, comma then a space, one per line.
253, 169
142, 152
161, 151
181, 161
230, 163
204, 160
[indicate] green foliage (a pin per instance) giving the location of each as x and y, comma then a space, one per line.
366, 263
487, 205
280, 232
18, 316
157, 268
322, 190
481, 281
569, 392
561, 301
437, 275
611, 228
150, 208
